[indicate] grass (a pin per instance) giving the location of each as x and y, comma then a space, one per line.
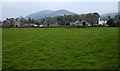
0, 48
60, 48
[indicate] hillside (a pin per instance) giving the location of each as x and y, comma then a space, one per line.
108, 14
49, 13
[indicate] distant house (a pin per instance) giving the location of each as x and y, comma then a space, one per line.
79, 23
50, 22
7, 23
29, 25
17, 23
11, 22
86, 23
42, 25
53, 25
102, 22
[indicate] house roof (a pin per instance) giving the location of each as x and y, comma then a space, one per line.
78, 22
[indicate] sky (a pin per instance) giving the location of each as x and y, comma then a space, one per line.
16, 8
60, 0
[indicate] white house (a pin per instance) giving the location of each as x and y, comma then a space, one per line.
17, 23
102, 22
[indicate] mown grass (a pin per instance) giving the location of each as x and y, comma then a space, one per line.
60, 48
0, 48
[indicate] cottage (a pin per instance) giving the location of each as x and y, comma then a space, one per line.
42, 25
6, 23
79, 23
102, 22
76, 23
11, 22
86, 23
17, 23
53, 25
29, 25
50, 22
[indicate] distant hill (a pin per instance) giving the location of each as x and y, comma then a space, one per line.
39, 15
61, 12
108, 14
49, 13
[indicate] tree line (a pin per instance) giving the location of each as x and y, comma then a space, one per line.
114, 22
65, 20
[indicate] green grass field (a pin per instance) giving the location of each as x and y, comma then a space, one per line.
0, 48
60, 48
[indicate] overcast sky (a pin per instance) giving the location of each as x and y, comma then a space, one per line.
11, 8
60, 0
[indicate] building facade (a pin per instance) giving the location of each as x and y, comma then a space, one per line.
11, 22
